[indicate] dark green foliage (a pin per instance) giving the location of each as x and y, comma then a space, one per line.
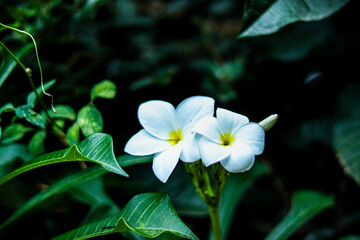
306, 72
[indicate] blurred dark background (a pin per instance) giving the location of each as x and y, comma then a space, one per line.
170, 50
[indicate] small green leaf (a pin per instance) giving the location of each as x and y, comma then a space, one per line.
8, 107
63, 112
283, 12
97, 148
90, 120
9, 63
36, 144
31, 98
105, 89
31, 116
73, 134
14, 132
305, 205
148, 214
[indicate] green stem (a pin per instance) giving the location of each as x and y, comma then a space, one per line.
38, 60
215, 222
29, 75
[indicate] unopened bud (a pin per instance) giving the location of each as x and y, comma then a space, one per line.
269, 122
28, 72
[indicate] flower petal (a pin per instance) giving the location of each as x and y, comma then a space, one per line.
212, 152
157, 118
190, 151
208, 127
229, 121
144, 143
241, 158
193, 109
253, 135
165, 162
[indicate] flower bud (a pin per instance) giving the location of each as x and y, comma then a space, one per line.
269, 122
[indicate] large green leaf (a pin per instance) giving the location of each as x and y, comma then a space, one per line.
8, 64
305, 205
55, 189
65, 185
347, 146
148, 214
97, 148
283, 12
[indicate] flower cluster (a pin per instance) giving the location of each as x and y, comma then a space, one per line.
190, 132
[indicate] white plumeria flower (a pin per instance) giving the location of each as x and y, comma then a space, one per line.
168, 132
230, 139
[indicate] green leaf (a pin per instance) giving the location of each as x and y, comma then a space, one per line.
126, 160
90, 120
350, 237
346, 142
148, 214
105, 89
97, 148
31, 116
9, 153
73, 134
305, 205
36, 144
31, 98
14, 132
64, 185
8, 63
282, 12
8, 107
57, 188
63, 112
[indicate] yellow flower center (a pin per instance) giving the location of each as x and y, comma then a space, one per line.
175, 137
226, 139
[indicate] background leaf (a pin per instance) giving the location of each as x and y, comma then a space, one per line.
31, 98
73, 134
97, 148
8, 64
148, 214
9, 153
283, 12
347, 146
31, 116
36, 144
90, 120
14, 132
63, 112
304, 205
105, 89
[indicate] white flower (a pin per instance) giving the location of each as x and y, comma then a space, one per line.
168, 132
230, 139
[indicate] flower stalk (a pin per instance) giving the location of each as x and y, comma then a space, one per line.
209, 184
